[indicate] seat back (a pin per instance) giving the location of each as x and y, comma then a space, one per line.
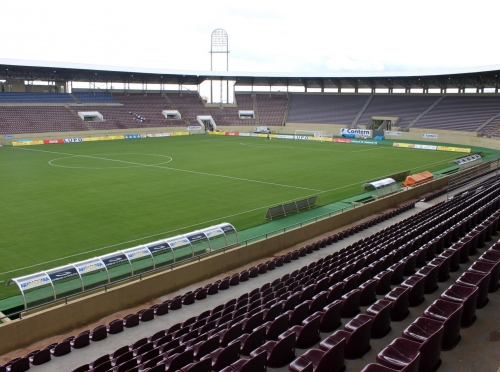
278, 326
256, 364
227, 356
333, 359
283, 352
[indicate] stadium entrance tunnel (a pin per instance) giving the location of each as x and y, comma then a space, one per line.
208, 122
90, 116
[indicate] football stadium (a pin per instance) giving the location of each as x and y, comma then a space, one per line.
164, 220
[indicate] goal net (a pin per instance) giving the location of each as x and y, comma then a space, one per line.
310, 133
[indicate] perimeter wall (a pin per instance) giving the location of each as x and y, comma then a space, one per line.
415, 134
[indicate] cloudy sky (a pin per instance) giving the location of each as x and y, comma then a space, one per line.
271, 35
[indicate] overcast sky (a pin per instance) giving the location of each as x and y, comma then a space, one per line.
270, 35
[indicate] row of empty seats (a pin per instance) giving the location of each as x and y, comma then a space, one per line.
35, 119
461, 113
15, 97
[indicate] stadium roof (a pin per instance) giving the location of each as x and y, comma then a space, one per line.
477, 77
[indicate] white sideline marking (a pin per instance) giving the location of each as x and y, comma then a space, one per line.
175, 169
185, 227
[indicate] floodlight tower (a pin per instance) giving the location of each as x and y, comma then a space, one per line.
219, 45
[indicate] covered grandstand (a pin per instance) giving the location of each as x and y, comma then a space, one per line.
408, 280
461, 100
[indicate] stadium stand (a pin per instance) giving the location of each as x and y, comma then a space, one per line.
122, 111
12, 97
244, 101
271, 109
95, 97
460, 113
288, 313
406, 108
324, 109
24, 119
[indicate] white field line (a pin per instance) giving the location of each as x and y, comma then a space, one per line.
175, 169
295, 147
180, 228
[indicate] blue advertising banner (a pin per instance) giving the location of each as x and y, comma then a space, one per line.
159, 247
64, 273
132, 136
114, 260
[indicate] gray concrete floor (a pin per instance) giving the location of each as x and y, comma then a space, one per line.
479, 349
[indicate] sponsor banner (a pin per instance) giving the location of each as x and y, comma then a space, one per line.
157, 135
392, 133
285, 136
115, 259
425, 147
341, 140
135, 253
454, 149
323, 139
364, 142
404, 145
196, 237
157, 247
301, 138
37, 142
361, 132
179, 133
234, 134
254, 135
194, 127
216, 231
106, 138
262, 135
72, 140
62, 274
227, 228
8, 137
37, 281
89, 266
414, 146
244, 134
53, 141
178, 242
429, 135
132, 136
217, 133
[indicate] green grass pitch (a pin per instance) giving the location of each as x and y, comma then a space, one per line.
66, 203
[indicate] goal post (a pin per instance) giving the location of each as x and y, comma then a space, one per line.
314, 133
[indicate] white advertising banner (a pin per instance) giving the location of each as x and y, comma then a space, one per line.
425, 147
360, 132
429, 135
392, 133
302, 138
89, 266
135, 253
34, 281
